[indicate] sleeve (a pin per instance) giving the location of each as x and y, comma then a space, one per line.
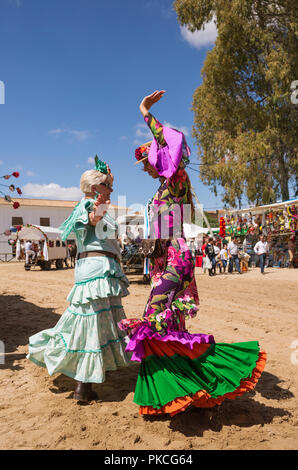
82, 219
156, 128
78, 219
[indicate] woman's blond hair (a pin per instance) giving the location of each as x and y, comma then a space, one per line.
91, 177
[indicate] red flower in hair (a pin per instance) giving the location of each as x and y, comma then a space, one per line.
138, 153
16, 174
16, 205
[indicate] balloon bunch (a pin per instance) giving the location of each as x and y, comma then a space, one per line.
12, 188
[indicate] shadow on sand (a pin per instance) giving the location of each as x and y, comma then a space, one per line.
19, 320
243, 411
117, 386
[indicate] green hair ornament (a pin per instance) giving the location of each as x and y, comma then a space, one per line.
100, 166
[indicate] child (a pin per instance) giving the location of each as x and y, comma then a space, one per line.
224, 257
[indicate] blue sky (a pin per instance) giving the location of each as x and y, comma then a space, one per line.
75, 72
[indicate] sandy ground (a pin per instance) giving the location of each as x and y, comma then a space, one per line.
38, 412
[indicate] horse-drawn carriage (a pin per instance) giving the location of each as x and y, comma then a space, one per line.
49, 247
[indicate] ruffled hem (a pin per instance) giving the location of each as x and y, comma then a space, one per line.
97, 289
87, 367
202, 399
143, 332
82, 365
84, 343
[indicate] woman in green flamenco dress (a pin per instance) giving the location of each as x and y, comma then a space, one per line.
86, 341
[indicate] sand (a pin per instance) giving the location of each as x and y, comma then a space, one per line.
38, 412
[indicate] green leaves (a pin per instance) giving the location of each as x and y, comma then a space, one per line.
244, 121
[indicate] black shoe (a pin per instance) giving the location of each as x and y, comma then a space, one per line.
84, 393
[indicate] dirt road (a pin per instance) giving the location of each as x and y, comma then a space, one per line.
38, 412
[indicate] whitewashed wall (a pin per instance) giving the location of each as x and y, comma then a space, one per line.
32, 215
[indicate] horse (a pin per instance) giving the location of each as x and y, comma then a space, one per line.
72, 247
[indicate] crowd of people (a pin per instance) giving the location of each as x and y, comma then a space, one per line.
220, 255
228, 256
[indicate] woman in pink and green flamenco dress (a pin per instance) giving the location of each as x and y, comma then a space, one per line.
86, 342
178, 369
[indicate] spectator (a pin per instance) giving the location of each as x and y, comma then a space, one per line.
129, 234
261, 249
291, 250
224, 256
248, 248
209, 250
140, 235
28, 251
217, 256
233, 254
203, 247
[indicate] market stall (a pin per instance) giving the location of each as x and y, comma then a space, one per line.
277, 222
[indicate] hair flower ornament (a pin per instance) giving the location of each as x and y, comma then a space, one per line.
142, 152
100, 166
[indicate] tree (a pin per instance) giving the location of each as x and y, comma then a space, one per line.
245, 124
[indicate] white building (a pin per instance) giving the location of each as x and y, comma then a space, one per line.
38, 212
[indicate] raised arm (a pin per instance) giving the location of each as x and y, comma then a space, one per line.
154, 125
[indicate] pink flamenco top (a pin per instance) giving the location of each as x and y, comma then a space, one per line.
168, 154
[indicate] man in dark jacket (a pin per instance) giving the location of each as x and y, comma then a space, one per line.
209, 250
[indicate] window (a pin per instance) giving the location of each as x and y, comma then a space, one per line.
58, 243
45, 221
17, 221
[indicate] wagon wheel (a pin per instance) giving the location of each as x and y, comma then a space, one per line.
45, 265
59, 263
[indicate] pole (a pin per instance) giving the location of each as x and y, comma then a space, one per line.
202, 211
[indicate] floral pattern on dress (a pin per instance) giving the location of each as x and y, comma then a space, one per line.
174, 296
167, 208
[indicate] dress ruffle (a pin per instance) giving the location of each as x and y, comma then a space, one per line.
172, 376
97, 278
202, 399
84, 344
98, 288
143, 332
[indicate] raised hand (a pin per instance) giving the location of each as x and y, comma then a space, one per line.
149, 100
100, 207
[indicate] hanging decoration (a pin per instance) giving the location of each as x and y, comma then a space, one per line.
11, 188
222, 227
273, 221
